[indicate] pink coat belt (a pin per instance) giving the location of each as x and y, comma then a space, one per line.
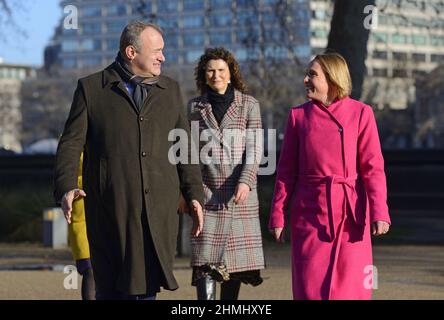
349, 184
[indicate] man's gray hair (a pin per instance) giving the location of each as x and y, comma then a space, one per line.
131, 35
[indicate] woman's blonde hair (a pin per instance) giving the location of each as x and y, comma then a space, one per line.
336, 71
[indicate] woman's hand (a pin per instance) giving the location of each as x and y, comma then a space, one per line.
183, 206
278, 234
379, 228
241, 193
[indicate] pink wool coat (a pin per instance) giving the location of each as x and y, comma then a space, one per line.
331, 177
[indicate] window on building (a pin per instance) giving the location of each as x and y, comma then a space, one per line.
437, 40
171, 40
70, 45
419, 57
278, 52
399, 38
91, 44
221, 38
438, 58
269, 2
220, 4
247, 18
319, 33
115, 26
193, 5
241, 55
379, 72
379, 37
69, 63
250, 35
91, 61
379, 54
399, 73
92, 28
399, 56
169, 22
221, 20
419, 73
113, 44
142, 8
116, 9
193, 22
419, 39
244, 4
171, 57
303, 50
319, 14
193, 39
91, 10
191, 56
69, 32
165, 6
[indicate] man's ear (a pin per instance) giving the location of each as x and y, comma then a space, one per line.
130, 52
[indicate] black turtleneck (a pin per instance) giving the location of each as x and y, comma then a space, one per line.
220, 102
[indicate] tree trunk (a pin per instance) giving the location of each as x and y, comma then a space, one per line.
349, 37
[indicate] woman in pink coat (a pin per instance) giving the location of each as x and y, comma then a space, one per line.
331, 177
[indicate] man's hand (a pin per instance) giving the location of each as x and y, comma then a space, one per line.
278, 234
241, 193
67, 201
379, 228
198, 218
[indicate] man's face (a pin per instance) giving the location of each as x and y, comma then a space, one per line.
147, 61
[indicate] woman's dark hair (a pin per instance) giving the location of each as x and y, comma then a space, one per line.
214, 54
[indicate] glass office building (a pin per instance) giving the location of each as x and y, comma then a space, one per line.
276, 28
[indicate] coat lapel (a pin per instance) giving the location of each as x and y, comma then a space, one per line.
110, 76
207, 114
232, 111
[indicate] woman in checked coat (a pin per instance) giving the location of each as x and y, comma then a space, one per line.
331, 177
229, 249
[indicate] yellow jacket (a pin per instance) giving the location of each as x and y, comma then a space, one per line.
77, 237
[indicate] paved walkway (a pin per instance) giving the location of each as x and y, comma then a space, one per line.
404, 272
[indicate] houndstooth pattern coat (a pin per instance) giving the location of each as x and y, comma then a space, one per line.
229, 154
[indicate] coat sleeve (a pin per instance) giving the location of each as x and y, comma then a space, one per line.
189, 174
71, 145
286, 175
253, 146
371, 166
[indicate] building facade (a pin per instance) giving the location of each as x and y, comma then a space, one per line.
11, 79
189, 26
406, 42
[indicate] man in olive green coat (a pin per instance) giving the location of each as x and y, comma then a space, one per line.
121, 117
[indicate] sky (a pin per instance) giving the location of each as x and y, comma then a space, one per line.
37, 18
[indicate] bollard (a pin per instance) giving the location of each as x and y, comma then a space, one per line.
55, 228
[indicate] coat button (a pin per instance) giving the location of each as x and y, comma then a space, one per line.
141, 119
146, 191
340, 129
143, 154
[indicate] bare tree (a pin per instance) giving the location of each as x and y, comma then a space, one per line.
348, 36
273, 68
45, 105
8, 19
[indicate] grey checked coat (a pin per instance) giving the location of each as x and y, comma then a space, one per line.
231, 235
